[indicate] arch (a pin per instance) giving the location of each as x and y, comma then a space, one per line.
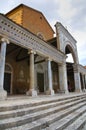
40, 35
8, 68
70, 70
9, 71
73, 50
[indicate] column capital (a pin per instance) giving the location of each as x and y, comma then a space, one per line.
48, 59
3, 39
62, 64
31, 52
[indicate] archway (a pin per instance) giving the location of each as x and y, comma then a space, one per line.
70, 60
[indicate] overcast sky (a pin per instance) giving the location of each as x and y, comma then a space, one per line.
71, 13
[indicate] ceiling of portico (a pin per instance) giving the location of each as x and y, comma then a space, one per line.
21, 54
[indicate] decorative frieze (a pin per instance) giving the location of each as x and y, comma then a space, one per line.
26, 39
66, 35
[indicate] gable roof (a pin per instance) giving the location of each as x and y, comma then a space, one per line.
22, 5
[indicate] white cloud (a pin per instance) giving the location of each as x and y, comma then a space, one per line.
81, 45
66, 11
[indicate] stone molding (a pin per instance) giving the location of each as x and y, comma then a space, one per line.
66, 32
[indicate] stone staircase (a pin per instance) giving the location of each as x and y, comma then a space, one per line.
50, 113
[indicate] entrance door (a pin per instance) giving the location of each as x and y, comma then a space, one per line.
40, 82
7, 82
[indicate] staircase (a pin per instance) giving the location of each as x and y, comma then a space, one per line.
66, 112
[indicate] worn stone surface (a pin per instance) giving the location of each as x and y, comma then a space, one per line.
41, 113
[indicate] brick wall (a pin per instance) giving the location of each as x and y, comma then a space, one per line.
32, 20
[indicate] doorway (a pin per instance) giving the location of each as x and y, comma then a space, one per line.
7, 82
40, 82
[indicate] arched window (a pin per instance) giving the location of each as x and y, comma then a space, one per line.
40, 35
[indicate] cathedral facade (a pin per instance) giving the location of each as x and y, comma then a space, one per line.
33, 60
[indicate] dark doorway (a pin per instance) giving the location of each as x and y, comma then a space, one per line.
7, 82
40, 82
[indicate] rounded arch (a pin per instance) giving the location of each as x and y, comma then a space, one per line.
70, 49
40, 35
8, 68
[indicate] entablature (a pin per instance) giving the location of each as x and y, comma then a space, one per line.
22, 37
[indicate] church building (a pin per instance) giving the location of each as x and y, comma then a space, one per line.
33, 56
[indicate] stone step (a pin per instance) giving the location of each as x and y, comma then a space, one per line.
78, 124
84, 127
45, 123
66, 121
26, 104
40, 116
25, 111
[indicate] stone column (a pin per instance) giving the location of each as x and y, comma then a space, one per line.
77, 78
83, 80
63, 78
50, 90
3, 93
31, 91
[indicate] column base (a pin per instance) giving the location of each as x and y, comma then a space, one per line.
66, 91
50, 92
31, 92
78, 90
3, 94
84, 90
63, 91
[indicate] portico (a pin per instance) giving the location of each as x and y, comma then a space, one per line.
22, 41
22, 52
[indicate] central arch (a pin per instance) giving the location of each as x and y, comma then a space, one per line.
70, 71
70, 50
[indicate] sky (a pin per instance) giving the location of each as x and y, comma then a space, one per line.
71, 13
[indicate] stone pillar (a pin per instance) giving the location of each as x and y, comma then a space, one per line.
83, 80
50, 90
77, 78
3, 93
63, 78
31, 91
